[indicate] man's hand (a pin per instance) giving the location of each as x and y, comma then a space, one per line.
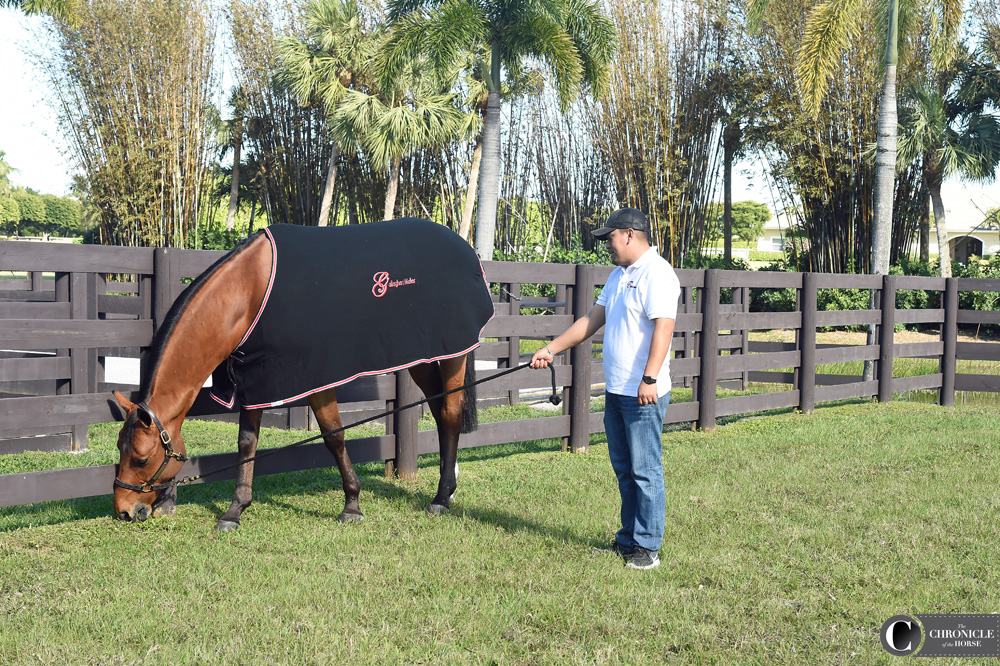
647, 393
541, 359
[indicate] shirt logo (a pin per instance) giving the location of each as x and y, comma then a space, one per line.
631, 285
384, 284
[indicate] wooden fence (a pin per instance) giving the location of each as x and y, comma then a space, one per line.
71, 308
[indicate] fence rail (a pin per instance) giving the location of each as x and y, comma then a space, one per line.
66, 309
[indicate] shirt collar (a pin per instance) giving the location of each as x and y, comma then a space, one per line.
646, 257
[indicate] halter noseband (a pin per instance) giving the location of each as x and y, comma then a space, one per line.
150, 486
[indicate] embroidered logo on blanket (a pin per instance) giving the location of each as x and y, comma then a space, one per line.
383, 283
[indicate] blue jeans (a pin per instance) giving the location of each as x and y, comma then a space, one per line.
636, 451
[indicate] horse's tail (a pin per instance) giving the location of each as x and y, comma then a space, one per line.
470, 415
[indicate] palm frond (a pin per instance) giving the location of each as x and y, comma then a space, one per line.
595, 39
541, 36
829, 30
946, 23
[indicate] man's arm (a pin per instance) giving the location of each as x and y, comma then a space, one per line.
659, 346
582, 328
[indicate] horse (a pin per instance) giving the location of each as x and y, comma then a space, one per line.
412, 294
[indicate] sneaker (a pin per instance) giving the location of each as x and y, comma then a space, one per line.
643, 559
616, 548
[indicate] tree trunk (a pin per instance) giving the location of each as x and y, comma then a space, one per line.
885, 171
331, 180
352, 201
234, 189
470, 193
392, 188
944, 252
727, 205
925, 233
489, 189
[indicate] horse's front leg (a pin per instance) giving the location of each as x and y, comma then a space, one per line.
324, 406
247, 443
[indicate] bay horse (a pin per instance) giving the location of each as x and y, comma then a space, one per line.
423, 309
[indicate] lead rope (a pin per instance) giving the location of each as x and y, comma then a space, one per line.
554, 399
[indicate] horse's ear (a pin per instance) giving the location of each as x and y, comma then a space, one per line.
127, 405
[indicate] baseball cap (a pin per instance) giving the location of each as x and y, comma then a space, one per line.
625, 218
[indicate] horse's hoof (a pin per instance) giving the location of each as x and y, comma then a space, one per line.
437, 509
227, 526
345, 517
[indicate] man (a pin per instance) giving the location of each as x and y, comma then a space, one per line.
638, 307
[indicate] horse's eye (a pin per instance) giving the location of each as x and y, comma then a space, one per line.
140, 462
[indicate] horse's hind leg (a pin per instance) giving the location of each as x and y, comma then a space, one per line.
247, 445
324, 406
435, 378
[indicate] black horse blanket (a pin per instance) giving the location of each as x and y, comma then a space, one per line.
355, 300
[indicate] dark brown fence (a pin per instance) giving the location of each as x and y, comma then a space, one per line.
66, 310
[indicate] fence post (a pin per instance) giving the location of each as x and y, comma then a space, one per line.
949, 334
514, 343
708, 377
582, 357
885, 342
569, 298
745, 334
62, 296
405, 427
163, 285
690, 339
83, 362
807, 345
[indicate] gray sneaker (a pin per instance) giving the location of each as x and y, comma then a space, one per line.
643, 559
621, 551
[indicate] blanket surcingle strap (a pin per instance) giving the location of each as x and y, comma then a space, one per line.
355, 300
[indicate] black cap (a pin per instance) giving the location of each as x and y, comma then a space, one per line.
625, 218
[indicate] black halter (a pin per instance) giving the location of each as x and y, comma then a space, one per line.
150, 486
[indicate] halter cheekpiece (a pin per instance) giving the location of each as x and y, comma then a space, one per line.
151, 485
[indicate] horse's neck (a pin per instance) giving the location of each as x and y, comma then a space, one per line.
209, 329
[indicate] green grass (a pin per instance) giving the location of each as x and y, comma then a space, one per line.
790, 540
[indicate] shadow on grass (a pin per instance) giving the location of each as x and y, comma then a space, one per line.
274, 490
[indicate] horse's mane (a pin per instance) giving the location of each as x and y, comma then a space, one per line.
151, 359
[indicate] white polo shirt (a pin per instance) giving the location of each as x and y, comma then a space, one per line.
633, 297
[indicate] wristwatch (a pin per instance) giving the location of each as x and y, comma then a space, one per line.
646, 379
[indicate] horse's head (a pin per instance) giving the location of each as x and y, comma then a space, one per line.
149, 458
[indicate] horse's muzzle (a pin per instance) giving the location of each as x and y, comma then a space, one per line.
141, 512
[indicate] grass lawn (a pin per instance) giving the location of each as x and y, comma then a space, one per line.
790, 540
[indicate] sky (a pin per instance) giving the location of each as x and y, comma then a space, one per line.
32, 141
28, 130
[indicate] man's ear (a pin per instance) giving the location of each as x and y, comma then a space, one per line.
127, 405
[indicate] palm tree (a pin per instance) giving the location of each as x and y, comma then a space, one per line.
573, 38
331, 59
829, 29
390, 125
948, 126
